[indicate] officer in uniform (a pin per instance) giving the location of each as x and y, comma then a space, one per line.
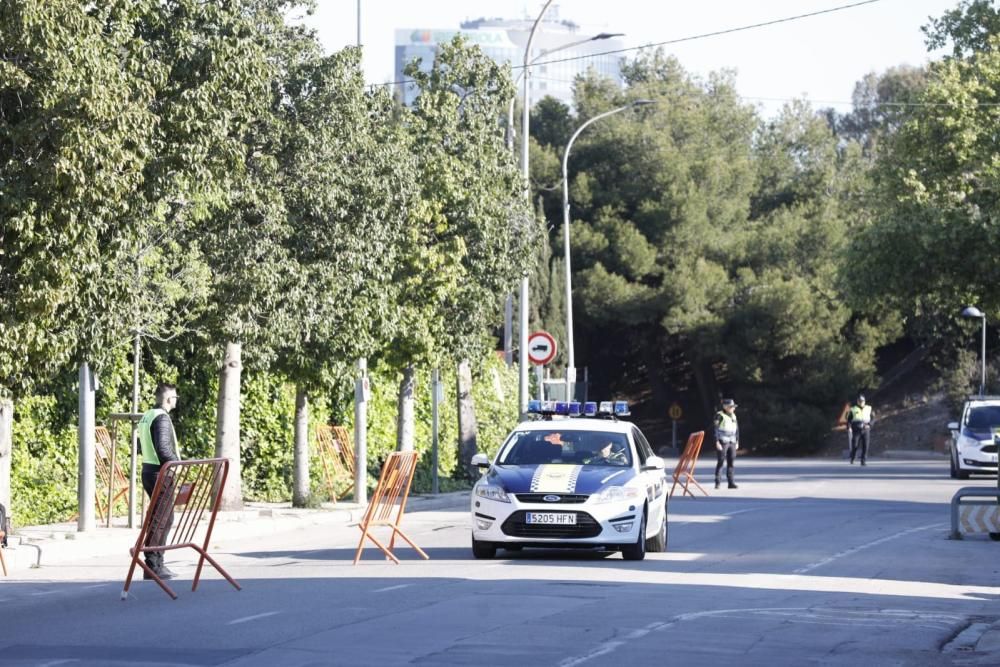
159, 445
859, 421
727, 441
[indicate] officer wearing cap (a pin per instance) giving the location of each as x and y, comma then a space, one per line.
859, 421
727, 441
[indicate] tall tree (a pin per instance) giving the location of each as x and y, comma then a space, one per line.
468, 231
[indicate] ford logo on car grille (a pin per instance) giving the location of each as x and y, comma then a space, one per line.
551, 498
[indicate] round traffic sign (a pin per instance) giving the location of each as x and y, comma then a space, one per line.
541, 348
675, 412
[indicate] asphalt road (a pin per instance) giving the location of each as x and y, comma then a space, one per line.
808, 563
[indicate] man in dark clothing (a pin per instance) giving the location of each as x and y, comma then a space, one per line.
159, 445
727, 441
859, 421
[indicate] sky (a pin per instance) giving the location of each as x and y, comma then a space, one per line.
818, 58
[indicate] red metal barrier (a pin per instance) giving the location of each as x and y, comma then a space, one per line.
390, 498
684, 472
184, 492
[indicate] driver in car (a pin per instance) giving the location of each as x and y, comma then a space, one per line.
608, 455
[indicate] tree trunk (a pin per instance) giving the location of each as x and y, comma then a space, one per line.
467, 446
655, 371
227, 425
705, 379
300, 466
404, 419
6, 449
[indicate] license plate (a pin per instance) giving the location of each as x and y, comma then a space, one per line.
551, 518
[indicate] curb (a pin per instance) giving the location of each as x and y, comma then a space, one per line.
34, 547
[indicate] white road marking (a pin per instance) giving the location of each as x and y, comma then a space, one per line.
247, 619
53, 663
874, 543
794, 614
41, 593
391, 588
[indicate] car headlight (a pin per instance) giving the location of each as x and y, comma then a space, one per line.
614, 494
491, 492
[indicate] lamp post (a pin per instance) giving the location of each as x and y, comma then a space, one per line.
522, 355
570, 354
974, 313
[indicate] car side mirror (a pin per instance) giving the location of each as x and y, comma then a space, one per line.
952, 426
653, 463
481, 461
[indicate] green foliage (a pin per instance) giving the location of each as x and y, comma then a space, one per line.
494, 392
43, 482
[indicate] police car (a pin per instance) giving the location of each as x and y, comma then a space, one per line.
975, 438
577, 476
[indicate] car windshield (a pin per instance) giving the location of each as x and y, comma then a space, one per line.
570, 447
984, 417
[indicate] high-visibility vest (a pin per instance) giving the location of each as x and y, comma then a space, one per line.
149, 454
725, 425
860, 414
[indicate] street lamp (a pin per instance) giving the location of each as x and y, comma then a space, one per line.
508, 307
570, 355
972, 312
524, 291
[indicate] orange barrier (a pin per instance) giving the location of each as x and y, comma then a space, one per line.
842, 419
391, 493
191, 488
336, 453
109, 472
3, 560
684, 472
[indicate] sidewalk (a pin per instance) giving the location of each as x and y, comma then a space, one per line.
41, 546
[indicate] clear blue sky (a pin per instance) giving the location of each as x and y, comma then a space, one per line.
819, 58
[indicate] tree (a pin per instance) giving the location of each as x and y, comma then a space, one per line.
932, 246
461, 251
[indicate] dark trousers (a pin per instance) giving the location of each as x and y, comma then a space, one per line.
859, 436
163, 513
725, 455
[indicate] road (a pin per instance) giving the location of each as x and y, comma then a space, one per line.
808, 563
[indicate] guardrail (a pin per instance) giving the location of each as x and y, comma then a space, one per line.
977, 515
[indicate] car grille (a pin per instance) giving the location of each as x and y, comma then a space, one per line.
585, 526
568, 498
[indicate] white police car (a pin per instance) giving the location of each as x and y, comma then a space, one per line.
578, 477
974, 440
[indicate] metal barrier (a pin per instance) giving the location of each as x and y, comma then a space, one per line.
192, 488
977, 515
109, 472
391, 493
336, 453
684, 471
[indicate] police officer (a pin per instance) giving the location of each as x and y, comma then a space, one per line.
727, 441
859, 421
159, 445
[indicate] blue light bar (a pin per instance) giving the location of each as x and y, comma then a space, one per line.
621, 409
606, 408
549, 406
574, 409
590, 409
562, 408
534, 406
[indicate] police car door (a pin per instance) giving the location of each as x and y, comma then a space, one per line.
653, 480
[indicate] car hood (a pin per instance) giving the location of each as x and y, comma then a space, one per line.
981, 433
558, 478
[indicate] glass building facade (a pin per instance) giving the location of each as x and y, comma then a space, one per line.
504, 41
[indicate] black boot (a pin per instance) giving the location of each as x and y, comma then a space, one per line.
718, 483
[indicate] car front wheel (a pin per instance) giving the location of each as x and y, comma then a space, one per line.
658, 543
637, 551
483, 550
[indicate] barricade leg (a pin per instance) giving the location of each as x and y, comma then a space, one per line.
3, 559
